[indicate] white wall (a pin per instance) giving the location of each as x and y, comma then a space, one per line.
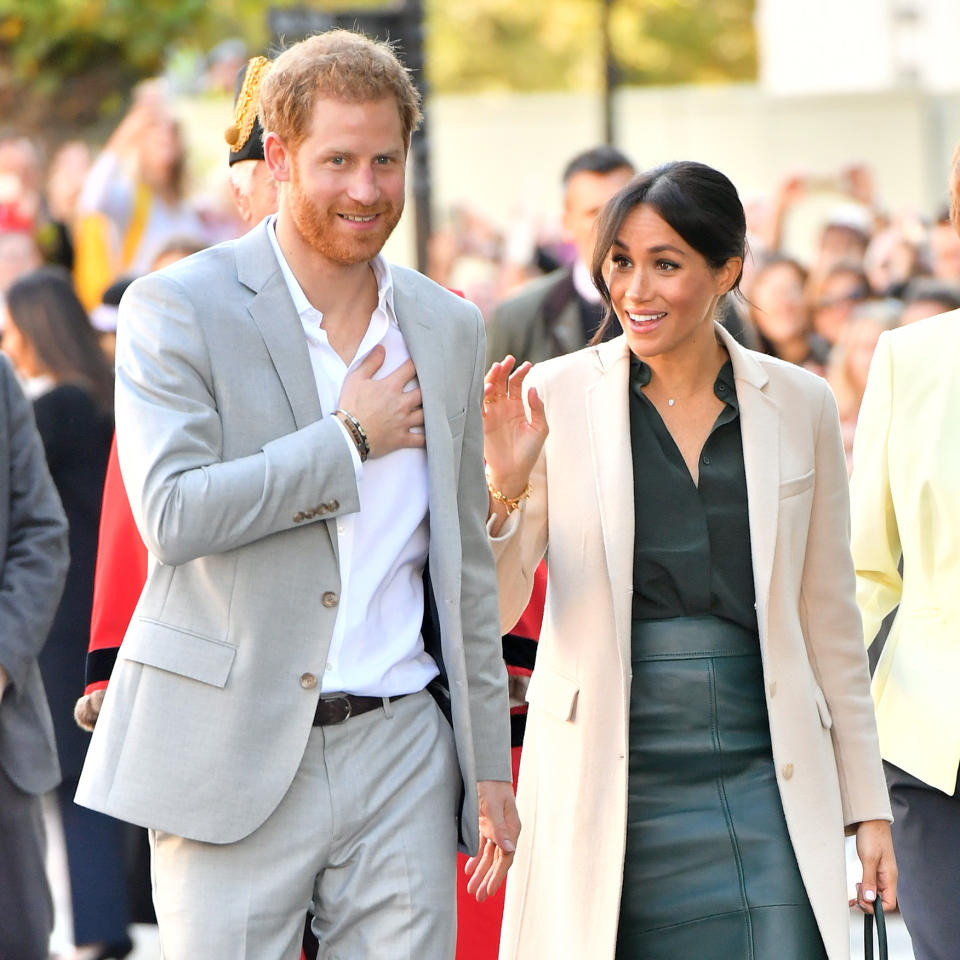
845, 46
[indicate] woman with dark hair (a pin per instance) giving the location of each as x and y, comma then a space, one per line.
700, 732
55, 350
781, 316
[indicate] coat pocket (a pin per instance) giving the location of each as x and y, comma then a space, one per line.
175, 650
822, 708
791, 488
554, 693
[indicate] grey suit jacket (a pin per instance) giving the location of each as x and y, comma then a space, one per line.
33, 565
235, 479
539, 322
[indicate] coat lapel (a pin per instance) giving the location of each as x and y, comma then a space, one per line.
608, 418
760, 434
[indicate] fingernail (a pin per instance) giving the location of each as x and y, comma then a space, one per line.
869, 895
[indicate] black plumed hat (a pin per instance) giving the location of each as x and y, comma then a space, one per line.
245, 135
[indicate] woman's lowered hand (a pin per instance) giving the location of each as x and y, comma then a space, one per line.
875, 849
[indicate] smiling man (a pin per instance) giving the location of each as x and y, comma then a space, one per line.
309, 704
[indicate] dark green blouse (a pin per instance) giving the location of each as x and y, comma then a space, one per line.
691, 554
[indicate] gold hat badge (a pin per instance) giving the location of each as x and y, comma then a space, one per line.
245, 108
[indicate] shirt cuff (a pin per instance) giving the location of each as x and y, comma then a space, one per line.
508, 529
354, 452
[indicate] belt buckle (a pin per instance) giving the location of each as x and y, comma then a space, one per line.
343, 705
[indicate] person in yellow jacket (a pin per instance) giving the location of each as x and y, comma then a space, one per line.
133, 199
905, 499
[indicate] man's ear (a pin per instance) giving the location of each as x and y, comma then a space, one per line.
277, 157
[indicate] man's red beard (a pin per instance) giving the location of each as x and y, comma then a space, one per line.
328, 234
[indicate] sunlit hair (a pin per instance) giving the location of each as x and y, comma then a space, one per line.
340, 65
48, 314
955, 190
700, 203
241, 175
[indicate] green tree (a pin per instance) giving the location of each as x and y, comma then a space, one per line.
68, 65
684, 41
65, 64
556, 44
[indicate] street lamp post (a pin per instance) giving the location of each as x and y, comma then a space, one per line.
610, 75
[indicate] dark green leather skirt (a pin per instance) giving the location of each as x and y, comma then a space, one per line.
709, 871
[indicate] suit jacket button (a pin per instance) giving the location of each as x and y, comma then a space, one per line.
299, 517
320, 510
787, 771
308, 681
333, 505
329, 599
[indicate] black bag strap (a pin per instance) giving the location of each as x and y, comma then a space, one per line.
881, 932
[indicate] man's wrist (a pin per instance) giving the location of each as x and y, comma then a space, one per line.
356, 431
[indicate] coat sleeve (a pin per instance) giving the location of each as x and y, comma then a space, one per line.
36, 553
187, 499
487, 677
832, 628
875, 537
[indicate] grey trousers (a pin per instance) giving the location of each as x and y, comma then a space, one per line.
366, 836
26, 910
926, 838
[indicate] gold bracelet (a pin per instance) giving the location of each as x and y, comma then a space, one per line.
511, 503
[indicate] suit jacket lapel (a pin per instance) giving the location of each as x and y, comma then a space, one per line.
760, 434
276, 318
608, 419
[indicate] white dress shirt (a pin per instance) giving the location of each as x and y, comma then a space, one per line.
376, 648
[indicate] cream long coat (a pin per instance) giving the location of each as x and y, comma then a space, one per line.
564, 891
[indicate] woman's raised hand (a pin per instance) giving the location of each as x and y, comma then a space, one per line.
511, 441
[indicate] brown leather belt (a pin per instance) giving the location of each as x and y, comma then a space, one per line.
336, 709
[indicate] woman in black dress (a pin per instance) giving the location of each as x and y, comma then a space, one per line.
56, 353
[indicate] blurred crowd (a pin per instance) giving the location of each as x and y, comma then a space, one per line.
106, 216
869, 271
77, 226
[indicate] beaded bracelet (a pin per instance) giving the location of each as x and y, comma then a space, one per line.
356, 431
